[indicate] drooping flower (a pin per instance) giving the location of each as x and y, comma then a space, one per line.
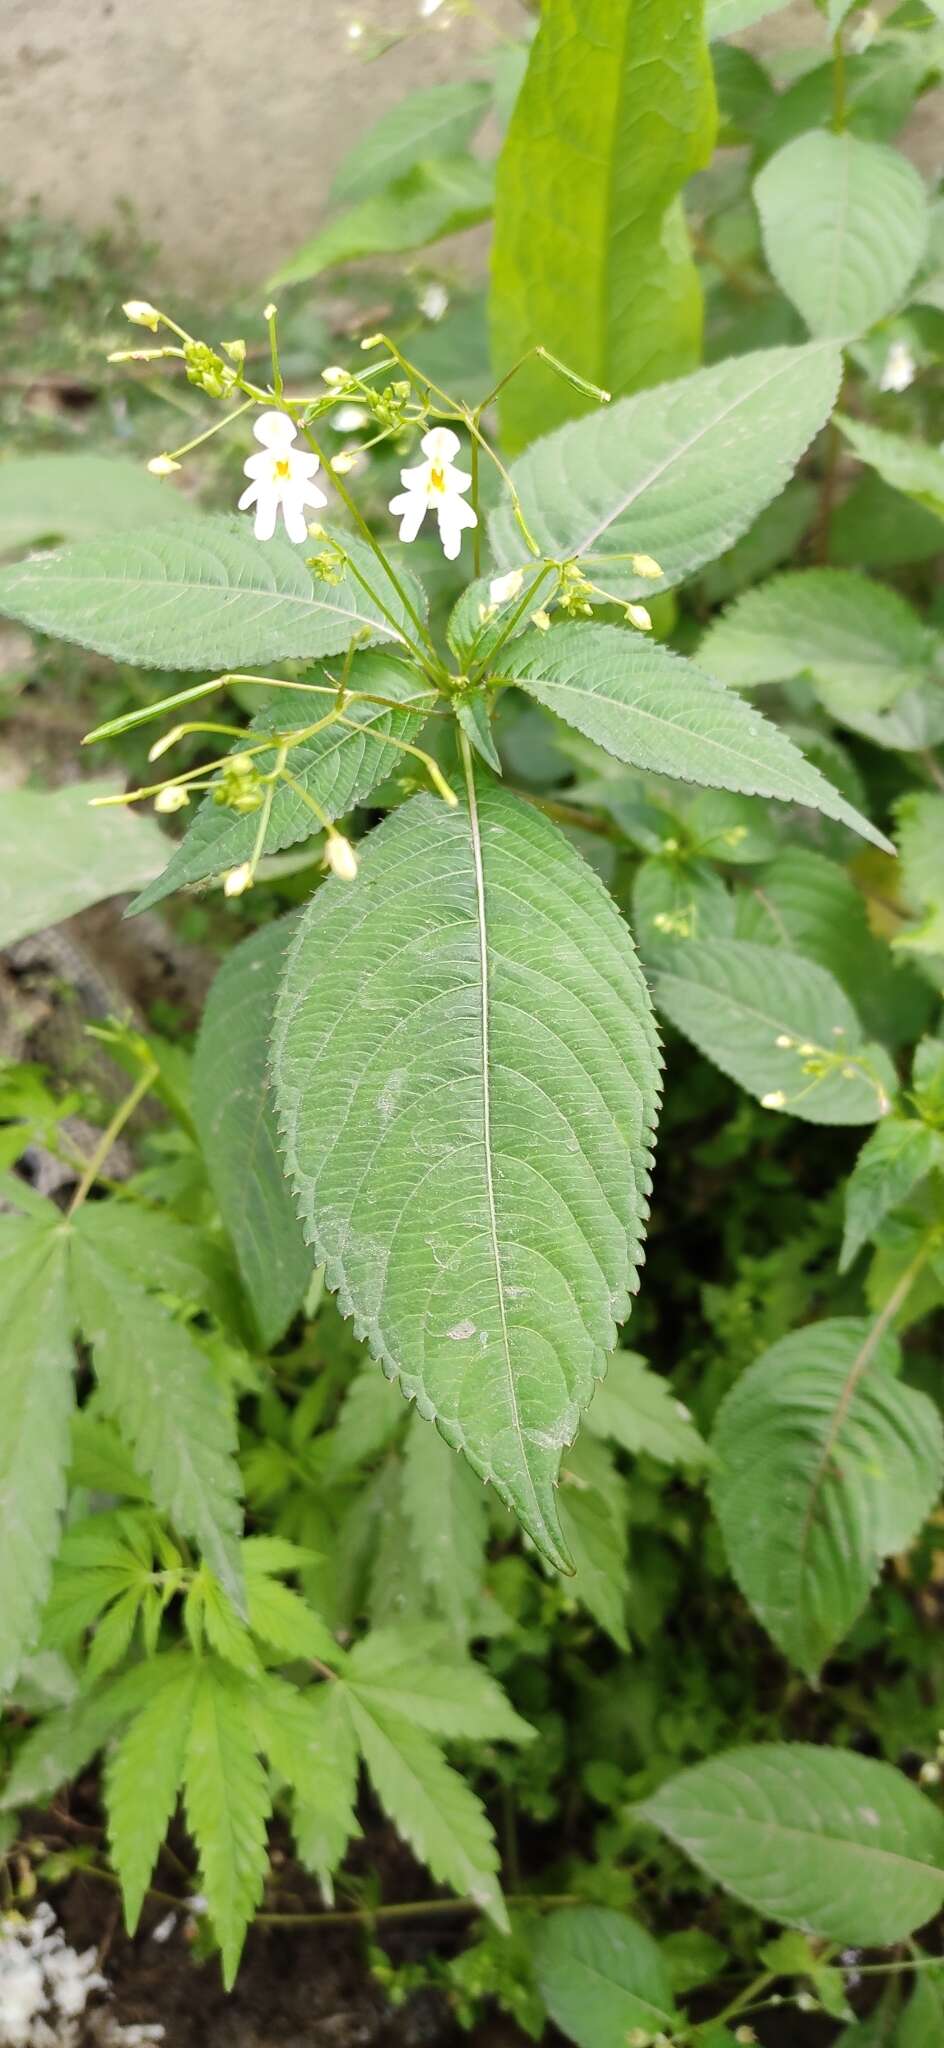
281, 479
436, 485
899, 369
502, 589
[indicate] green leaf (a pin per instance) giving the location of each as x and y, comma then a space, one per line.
160, 1387
447, 1511
822, 1839
679, 472
67, 497
58, 855
430, 200
309, 1740
657, 711
921, 846
236, 1123
922, 2022
637, 1409
826, 1464
440, 121
405, 1670
433, 1808
729, 17
778, 1025
845, 224
601, 1977
227, 1805
896, 1156
473, 715
593, 1516
142, 1777
832, 624
909, 466
472, 1011
283, 1619
60, 1745
810, 904
338, 767
591, 257
168, 1257
211, 596
37, 1384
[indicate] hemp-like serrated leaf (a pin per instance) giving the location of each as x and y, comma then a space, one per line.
657, 711
404, 1669
142, 1777
678, 473
208, 595
37, 1384
338, 767
826, 1464
227, 1804
235, 1120
447, 1510
466, 1073
822, 1839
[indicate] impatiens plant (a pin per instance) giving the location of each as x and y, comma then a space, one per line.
504, 771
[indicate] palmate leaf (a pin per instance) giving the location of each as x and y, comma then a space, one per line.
207, 596
227, 1804
679, 472
406, 1671
58, 855
845, 223
780, 1026
337, 767
236, 1124
822, 1839
142, 1777
826, 1464
657, 711
591, 255
467, 1076
36, 1382
637, 1409
602, 1977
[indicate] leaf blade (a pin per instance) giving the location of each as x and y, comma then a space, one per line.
845, 223
35, 1442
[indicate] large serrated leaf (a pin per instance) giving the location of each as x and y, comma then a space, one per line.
37, 1393
467, 1075
679, 472
142, 1778
845, 223
896, 1156
778, 1025
66, 497
338, 767
821, 1839
602, 1977
654, 710
58, 855
907, 465
227, 1804
591, 256
236, 1123
826, 1465
837, 626
206, 596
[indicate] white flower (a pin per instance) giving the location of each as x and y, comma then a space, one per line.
141, 313
503, 588
281, 479
435, 484
238, 879
899, 369
428, 7
162, 465
434, 301
349, 418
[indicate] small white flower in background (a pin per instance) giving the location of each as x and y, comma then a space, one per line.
436, 485
865, 30
162, 465
349, 418
355, 31
434, 301
238, 880
503, 588
281, 479
899, 370
141, 314
428, 7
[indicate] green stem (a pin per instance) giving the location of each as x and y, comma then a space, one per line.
375, 548
106, 1141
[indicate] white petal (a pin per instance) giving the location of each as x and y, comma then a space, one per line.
248, 498
413, 509
274, 429
266, 514
417, 479
454, 514
456, 479
440, 444
303, 464
309, 494
296, 525
258, 465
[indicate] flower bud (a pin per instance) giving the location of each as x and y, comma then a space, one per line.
503, 588
340, 464
334, 375
141, 314
238, 879
162, 465
645, 566
541, 619
341, 857
236, 351
639, 617
171, 800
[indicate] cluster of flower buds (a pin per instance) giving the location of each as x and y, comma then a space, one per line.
208, 371
240, 785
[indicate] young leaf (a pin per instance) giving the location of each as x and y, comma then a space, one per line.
447, 1511
637, 1409
281, 1618
439, 121
822, 1839
209, 596
602, 1977
236, 1122
922, 2022
909, 466
470, 1011
896, 1156
142, 1777
780, 1026
430, 1805
430, 200
826, 1464
160, 1387
60, 855
68, 497
841, 628
38, 1396
657, 711
845, 223
593, 1515
591, 255
680, 472
921, 846
309, 1740
227, 1805
338, 767
405, 1670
